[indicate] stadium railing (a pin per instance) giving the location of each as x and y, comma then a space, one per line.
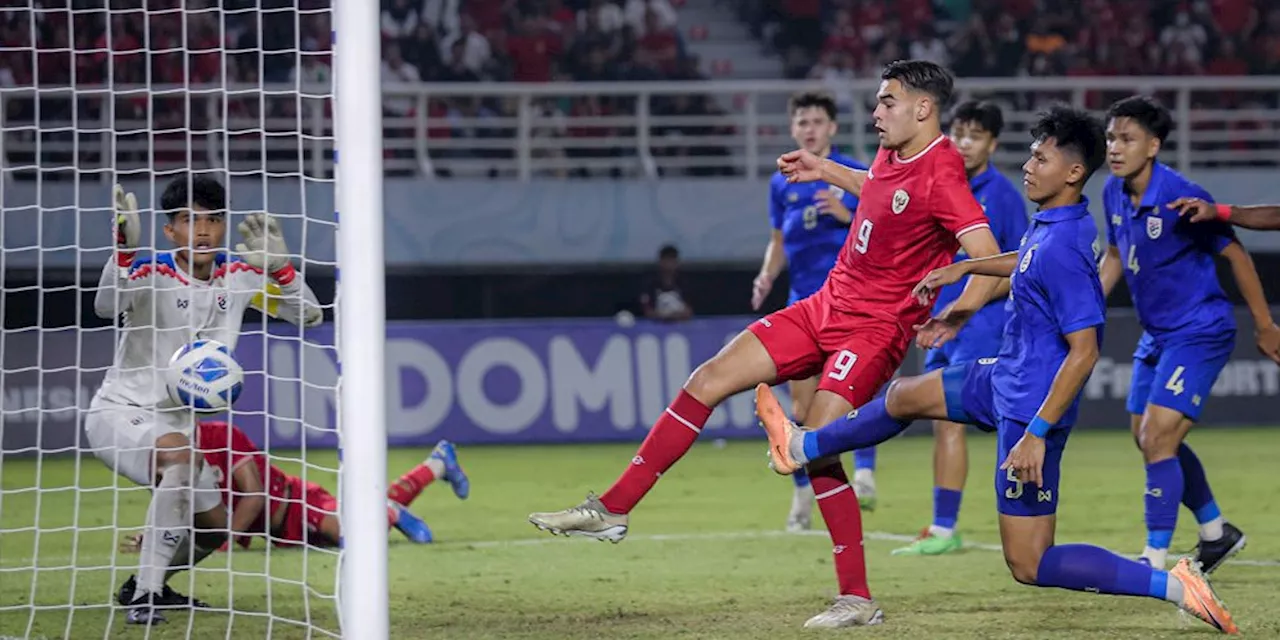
637, 129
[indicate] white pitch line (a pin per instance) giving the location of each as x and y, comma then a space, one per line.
750, 535
64, 561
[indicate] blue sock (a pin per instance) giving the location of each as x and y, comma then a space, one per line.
865, 459
1163, 497
1084, 567
800, 478
866, 427
946, 507
1196, 494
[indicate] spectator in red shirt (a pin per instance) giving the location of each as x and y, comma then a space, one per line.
1234, 18
533, 51
658, 47
1228, 61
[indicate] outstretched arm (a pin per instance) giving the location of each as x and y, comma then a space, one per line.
846, 178
286, 296
1261, 217
1266, 332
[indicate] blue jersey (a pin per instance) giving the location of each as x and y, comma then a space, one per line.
1055, 292
1168, 261
810, 239
1007, 211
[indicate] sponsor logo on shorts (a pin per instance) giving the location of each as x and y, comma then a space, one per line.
988, 361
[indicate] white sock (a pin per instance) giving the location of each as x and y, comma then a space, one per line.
1173, 591
1212, 530
1156, 557
796, 448
866, 476
941, 532
436, 465
168, 522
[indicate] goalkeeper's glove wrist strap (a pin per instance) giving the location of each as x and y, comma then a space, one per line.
125, 258
284, 275
1039, 427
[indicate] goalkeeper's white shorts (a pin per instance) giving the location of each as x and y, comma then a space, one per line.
123, 437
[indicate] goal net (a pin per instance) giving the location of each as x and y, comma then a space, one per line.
95, 93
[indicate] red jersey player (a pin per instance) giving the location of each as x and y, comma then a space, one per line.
265, 500
915, 212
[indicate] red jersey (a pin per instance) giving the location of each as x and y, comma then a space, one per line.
225, 448
910, 216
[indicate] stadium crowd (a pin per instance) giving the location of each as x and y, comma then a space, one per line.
56, 44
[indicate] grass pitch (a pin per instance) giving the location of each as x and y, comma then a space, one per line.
706, 558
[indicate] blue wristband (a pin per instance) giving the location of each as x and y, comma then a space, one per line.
1039, 427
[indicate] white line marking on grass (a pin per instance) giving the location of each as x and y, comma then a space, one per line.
756, 535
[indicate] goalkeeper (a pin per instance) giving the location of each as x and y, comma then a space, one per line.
266, 500
194, 291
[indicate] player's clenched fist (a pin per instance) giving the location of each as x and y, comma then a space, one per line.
800, 166
126, 226
1027, 460
263, 246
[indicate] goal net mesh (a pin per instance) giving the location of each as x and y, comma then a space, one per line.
137, 92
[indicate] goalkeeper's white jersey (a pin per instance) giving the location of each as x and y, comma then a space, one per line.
164, 308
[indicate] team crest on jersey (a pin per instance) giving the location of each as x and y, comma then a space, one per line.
900, 200
792, 197
1155, 225
1026, 259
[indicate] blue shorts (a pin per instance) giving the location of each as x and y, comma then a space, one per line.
967, 347
1178, 376
971, 400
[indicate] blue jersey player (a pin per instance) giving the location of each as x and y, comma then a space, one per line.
975, 128
810, 222
1188, 323
1030, 394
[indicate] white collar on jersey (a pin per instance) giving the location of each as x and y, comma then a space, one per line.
900, 159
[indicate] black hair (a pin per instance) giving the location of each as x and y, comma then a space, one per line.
1147, 112
807, 99
668, 251
1074, 130
922, 75
982, 113
188, 190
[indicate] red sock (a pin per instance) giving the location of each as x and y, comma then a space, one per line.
392, 516
839, 505
671, 436
407, 488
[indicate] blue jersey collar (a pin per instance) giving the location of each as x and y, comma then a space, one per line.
1061, 214
1151, 198
979, 181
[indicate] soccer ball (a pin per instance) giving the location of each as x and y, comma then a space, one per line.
204, 377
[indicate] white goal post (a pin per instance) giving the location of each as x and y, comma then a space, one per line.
362, 316
265, 96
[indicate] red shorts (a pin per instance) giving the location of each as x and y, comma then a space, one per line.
309, 504
855, 354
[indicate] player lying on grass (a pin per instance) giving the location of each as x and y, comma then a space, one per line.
195, 291
1263, 217
810, 223
1189, 326
267, 501
1030, 394
915, 211
975, 130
